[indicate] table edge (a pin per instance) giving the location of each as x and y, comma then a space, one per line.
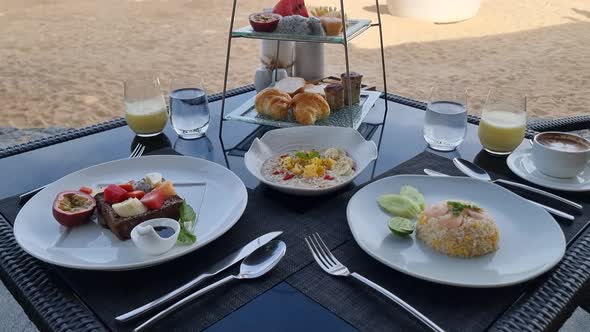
553, 301
46, 301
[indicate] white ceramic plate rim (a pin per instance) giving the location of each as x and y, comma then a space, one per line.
304, 190
547, 182
153, 260
370, 252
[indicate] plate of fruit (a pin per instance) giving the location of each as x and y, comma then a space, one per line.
90, 219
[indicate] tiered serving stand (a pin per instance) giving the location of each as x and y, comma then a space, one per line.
351, 116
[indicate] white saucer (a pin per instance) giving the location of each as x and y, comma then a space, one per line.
521, 163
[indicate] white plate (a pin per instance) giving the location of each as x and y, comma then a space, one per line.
93, 247
280, 141
531, 242
521, 163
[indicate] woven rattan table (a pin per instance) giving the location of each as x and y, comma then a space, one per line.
53, 306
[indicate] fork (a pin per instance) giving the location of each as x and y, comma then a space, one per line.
331, 265
137, 152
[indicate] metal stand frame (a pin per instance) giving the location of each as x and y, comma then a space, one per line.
346, 59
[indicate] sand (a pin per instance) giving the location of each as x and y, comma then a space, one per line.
63, 61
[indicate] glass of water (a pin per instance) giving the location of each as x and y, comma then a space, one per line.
445, 124
189, 108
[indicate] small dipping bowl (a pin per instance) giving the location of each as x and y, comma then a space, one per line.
153, 236
560, 155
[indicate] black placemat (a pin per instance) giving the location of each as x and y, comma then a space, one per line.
112, 293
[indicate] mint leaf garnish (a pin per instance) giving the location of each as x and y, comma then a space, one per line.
187, 220
307, 155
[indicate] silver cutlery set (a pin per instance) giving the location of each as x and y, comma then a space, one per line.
257, 258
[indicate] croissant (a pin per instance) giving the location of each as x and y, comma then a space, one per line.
274, 103
310, 107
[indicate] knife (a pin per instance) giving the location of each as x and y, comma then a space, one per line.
547, 208
215, 269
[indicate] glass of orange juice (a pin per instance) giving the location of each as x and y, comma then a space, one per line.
145, 107
503, 121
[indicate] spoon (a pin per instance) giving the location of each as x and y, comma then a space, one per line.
473, 171
255, 265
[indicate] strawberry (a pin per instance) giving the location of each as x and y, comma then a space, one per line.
114, 194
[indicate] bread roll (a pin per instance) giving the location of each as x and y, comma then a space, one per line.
274, 103
310, 107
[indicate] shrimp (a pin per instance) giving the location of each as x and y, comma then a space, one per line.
478, 215
437, 210
450, 221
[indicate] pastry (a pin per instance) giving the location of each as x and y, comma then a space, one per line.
354, 82
122, 226
291, 85
274, 103
332, 25
334, 93
309, 108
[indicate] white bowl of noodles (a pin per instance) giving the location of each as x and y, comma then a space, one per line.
282, 158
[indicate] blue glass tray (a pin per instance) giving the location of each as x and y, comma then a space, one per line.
351, 116
355, 27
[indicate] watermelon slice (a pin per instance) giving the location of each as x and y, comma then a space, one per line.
291, 7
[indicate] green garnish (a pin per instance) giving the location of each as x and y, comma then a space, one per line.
187, 214
458, 207
187, 220
401, 226
307, 155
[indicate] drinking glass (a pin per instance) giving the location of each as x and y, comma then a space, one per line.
145, 107
445, 122
189, 108
503, 121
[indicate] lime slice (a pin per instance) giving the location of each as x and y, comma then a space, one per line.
401, 226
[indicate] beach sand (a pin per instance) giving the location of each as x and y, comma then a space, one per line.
63, 61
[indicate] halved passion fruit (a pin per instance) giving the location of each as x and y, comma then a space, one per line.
264, 22
73, 208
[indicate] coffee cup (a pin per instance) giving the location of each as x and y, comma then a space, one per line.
560, 155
